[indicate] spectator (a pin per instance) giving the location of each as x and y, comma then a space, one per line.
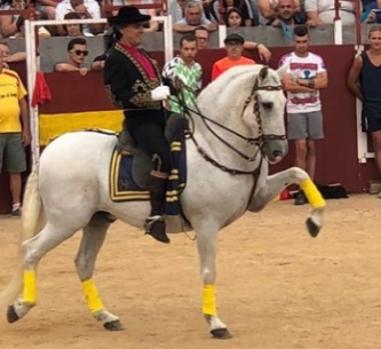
288, 14
14, 135
305, 76
202, 37
374, 15
184, 74
323, 12
242, 6
77, 52
287, 17
364, 82
47, 8
75, 29
193, 18
211, 10
268, 9
233, 18
8, 58
8, 22
87, 9
234, 49
20, 33
176, 8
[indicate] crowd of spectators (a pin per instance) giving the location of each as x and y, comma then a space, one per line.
186, 14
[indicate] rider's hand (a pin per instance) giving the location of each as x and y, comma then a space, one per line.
160, 93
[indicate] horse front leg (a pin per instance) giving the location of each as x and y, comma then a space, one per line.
92, 240
277, 182
206, 244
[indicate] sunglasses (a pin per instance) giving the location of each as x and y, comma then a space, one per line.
80, 52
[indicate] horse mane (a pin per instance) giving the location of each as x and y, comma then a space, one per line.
230, 77
234, 83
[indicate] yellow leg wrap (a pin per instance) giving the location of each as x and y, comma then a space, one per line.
29, 289
90, 291
312, 193
209, 300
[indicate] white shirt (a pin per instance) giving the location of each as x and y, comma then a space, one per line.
326, 10
303, 68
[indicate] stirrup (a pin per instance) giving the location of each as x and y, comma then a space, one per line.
155, 226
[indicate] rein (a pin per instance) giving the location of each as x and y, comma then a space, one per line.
258, 141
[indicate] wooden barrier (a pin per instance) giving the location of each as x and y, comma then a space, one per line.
337, 153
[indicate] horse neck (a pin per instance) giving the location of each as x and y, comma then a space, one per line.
228, 116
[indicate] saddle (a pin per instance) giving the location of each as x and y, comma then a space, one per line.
142, 164
130, 168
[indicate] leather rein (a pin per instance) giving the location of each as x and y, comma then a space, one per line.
259, 141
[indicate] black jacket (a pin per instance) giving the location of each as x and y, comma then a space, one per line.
128, 83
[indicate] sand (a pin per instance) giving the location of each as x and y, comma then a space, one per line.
277, 287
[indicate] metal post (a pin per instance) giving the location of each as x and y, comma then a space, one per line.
31, 65
222, 32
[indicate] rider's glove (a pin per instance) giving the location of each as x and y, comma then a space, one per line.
160, 93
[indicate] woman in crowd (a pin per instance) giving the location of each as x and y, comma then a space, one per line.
233, 18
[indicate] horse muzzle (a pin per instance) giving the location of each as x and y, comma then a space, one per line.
275, 150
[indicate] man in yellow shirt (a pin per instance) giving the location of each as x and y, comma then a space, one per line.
14, 133
234, 48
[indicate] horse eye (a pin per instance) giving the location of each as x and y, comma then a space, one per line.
267, 105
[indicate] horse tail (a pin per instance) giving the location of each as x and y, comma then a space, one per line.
31, 220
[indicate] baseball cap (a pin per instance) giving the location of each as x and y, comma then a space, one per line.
234, 38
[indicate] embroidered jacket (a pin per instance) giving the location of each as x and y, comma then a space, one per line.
127, 82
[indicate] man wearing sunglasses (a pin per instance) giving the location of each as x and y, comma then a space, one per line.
77, 52
133, 79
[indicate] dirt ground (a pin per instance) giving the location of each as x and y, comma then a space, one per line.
276, 287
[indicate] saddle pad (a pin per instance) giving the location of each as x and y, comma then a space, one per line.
121, 182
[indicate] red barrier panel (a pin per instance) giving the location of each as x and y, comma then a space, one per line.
337, 153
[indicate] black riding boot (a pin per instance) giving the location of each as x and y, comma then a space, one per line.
155, 224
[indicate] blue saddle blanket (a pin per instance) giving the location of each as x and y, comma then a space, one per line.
124, 188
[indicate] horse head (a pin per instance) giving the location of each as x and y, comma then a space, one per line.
263, 112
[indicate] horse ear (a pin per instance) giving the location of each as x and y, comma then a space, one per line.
282, 70
263, 73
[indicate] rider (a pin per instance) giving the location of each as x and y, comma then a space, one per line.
134, 81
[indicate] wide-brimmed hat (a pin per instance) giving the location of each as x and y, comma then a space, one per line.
128, 15
234, 38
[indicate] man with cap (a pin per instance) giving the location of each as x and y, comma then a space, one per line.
234, 48
133, 79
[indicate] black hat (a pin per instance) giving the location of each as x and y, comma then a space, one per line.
234, 38
128, 15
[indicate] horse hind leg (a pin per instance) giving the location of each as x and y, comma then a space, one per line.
33, 250
92, 240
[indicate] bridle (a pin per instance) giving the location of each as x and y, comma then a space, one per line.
258, 141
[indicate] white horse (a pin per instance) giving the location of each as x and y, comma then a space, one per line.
246, 106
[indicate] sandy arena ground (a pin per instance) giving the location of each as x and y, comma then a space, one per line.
277, 287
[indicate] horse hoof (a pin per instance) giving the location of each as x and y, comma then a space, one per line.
312, 227
12, 315
221, 333
115, 325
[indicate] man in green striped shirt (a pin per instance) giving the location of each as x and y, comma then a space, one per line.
185, 74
